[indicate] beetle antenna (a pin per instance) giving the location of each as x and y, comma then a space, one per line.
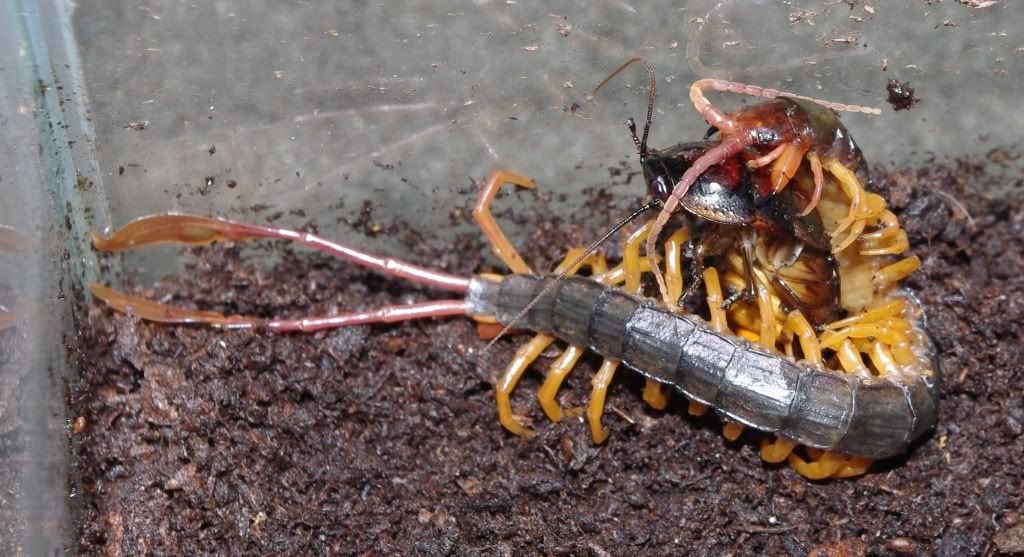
631, 124
568, 269
642, 144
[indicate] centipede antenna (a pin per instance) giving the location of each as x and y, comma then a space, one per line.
568, 269
642, 144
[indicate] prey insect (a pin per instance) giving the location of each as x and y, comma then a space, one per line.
783, 132
779, 264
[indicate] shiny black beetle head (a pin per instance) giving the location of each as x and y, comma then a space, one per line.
721, 194
664, 168
724, 194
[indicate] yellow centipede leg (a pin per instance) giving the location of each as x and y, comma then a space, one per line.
674, 266
881, 331
891, 274
767, 336
776, 451
556, 374
730, 431
595, 410
718, 323
860, 207
654, 393
849, 358
631, 257
852, 467
882, 357
564, 364
482, 213
797, 324
897, 244
523, 358
890, 309
718, 318
822, 465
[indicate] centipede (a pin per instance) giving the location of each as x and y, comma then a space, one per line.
803, 331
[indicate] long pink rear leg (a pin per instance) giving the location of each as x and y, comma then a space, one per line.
197, 230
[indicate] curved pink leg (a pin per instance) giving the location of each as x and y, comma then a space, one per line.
198, 230
765, 160
157, 312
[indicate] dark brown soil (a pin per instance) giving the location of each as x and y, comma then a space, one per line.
383, 440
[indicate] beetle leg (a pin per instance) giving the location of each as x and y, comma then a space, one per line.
696, 277
482, 213
768, 331
711, 243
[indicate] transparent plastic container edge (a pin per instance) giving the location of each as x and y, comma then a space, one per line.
49, 190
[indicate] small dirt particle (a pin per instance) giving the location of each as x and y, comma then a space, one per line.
901, 95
